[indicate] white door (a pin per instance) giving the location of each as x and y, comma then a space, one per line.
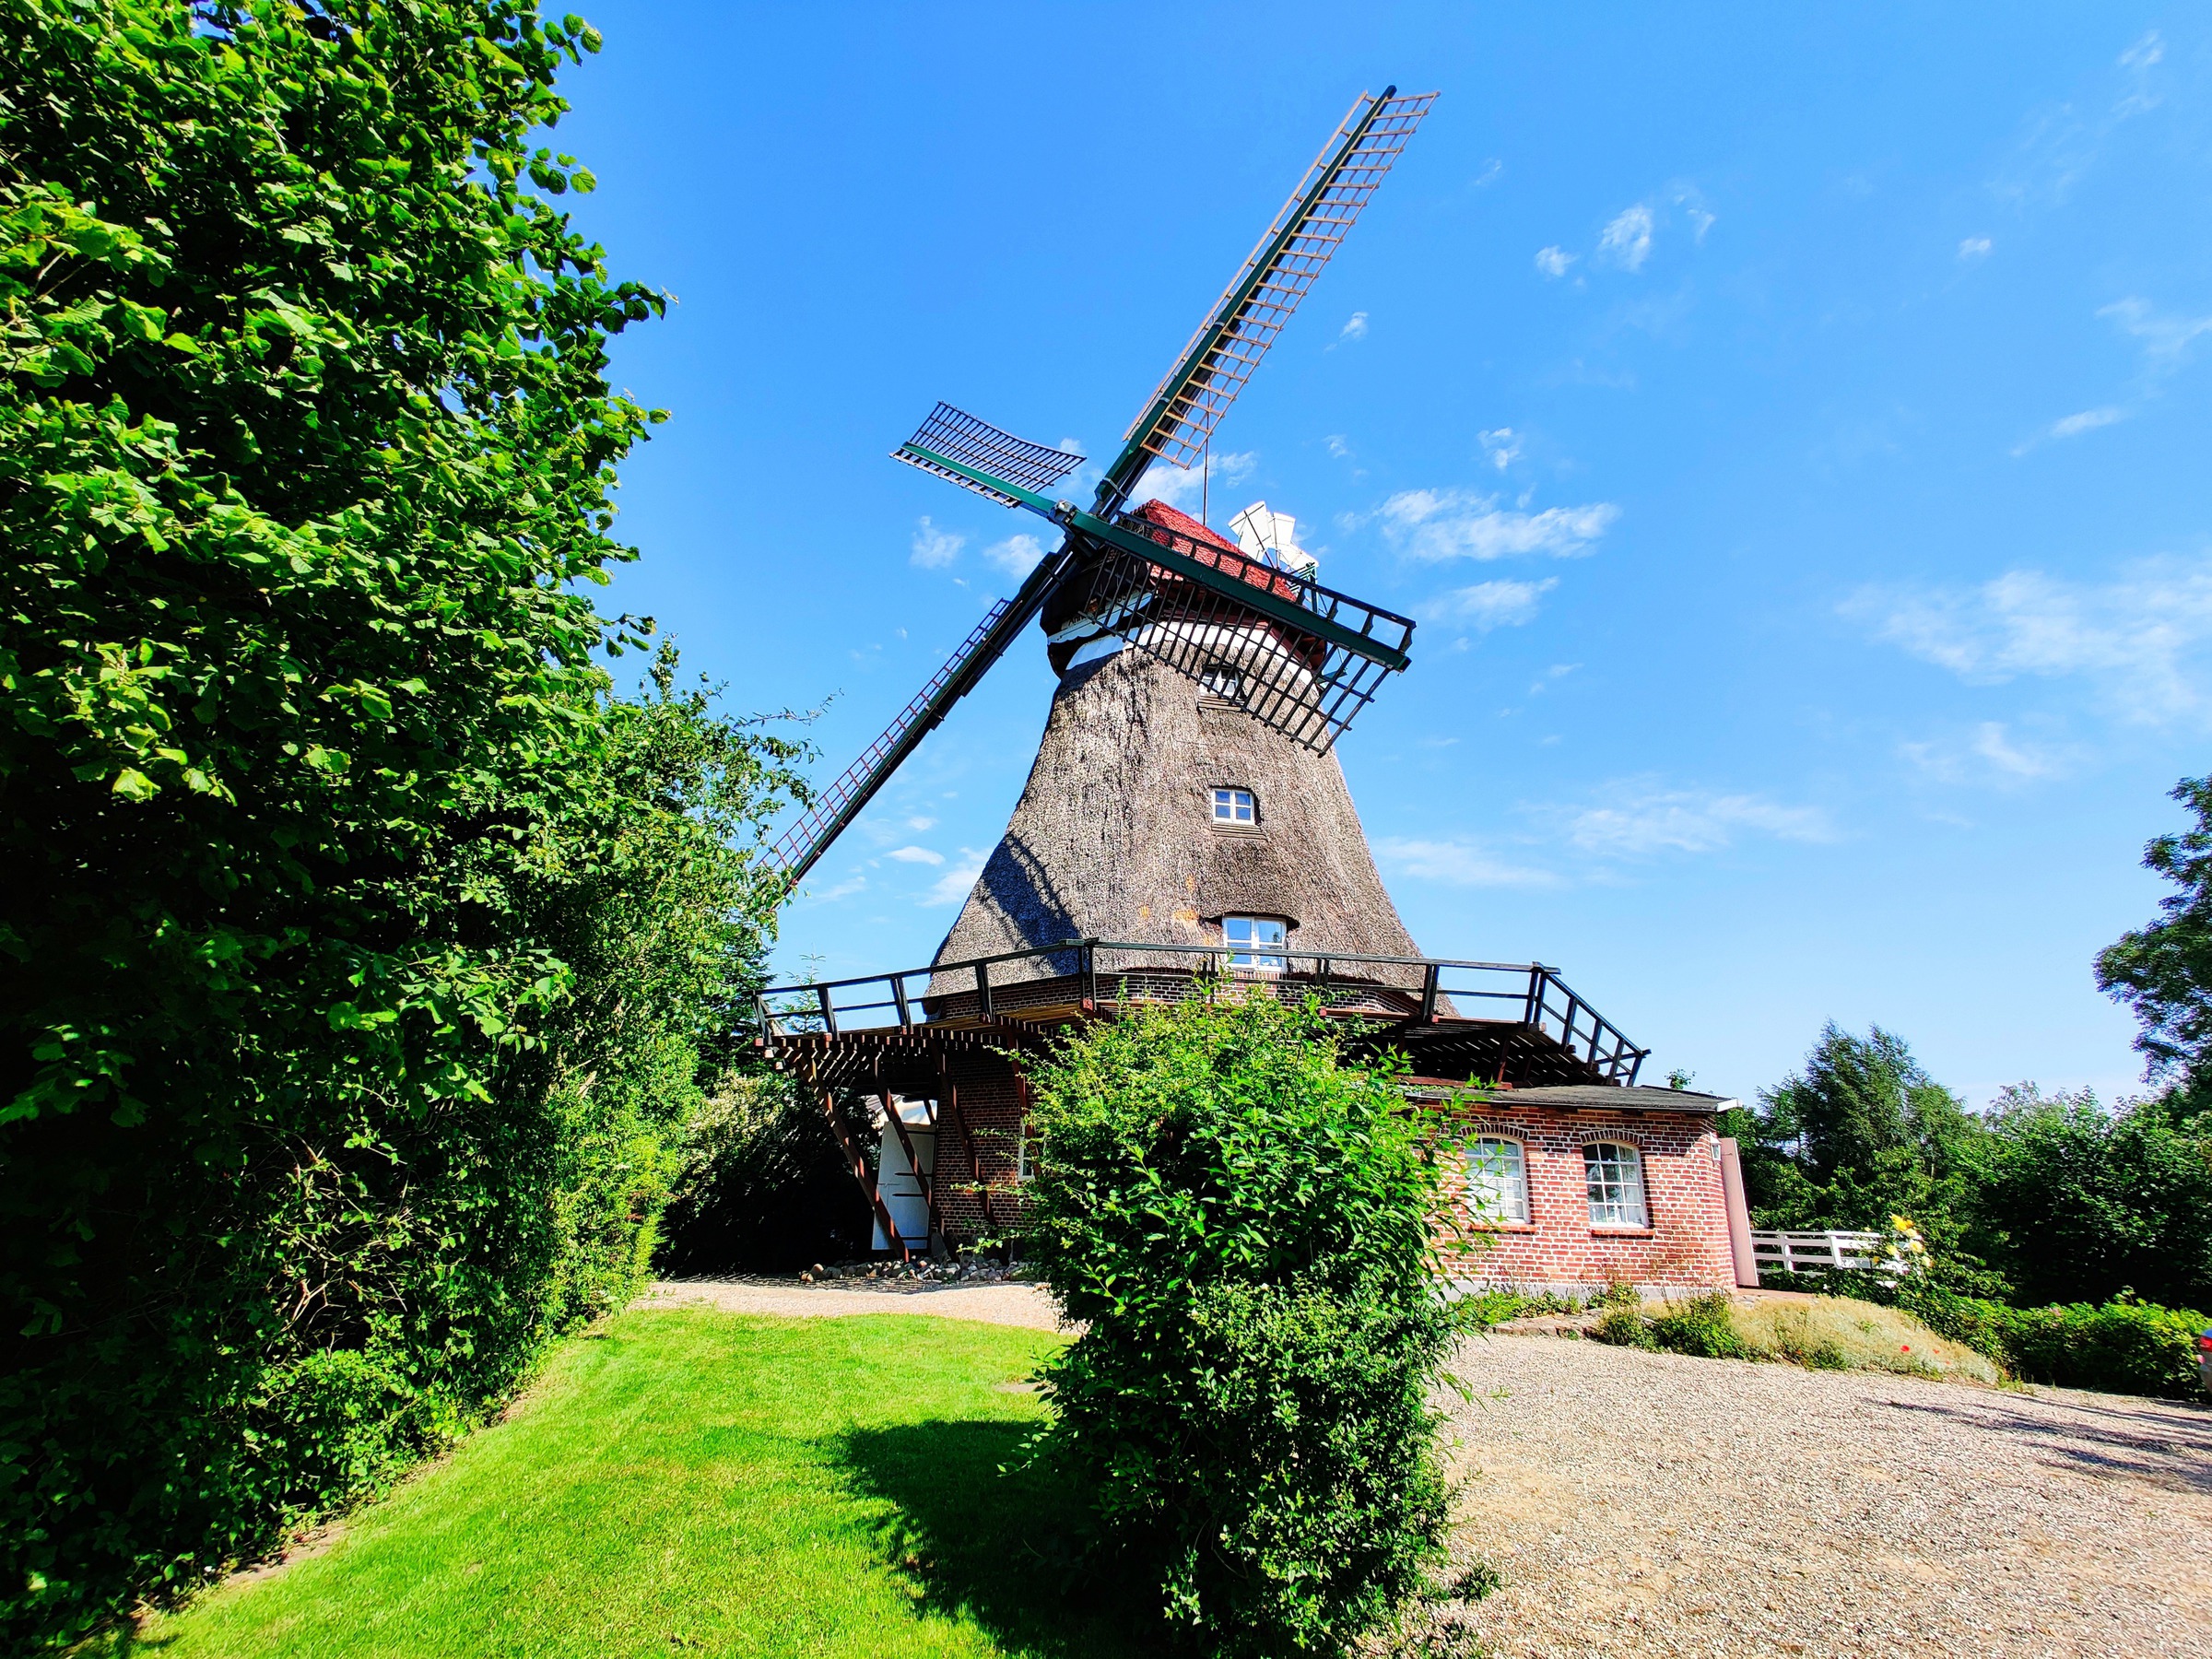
895, 1183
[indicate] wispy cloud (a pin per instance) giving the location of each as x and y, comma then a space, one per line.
2166, 338
2073, 426
1490, 604
1458, 864
921, 856
1987, 754
2143, 640
1184, 488
1016, 556
1337, 446
2144, 52
955, 885
1456, 524
1356, 329
921, 823
1627, 240
935, 548
1553, 262
1503, 446
1639, 817
1974, 247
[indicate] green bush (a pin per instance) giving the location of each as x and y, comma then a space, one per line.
1624, 1326
1245, 1229
2123, 1346
1699, 1326
359, 951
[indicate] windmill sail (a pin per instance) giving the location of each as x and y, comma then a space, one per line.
1180, 418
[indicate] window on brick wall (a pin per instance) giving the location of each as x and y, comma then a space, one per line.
1496, 1180
1616, 1176
1025, 1152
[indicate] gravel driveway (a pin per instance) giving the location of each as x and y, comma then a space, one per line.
1002, 1303
1648, 1503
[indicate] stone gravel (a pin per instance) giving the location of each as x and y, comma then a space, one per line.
1007, 1303
1650, 1503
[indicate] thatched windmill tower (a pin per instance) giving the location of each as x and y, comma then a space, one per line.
1186, 821
1158, 810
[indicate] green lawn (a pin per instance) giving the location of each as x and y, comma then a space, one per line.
693, 1482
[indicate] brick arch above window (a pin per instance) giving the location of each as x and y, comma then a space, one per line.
1637, 1138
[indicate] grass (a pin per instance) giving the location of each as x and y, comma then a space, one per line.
1824, 1333
690, 1482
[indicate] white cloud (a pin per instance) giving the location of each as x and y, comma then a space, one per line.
1454, 524
955, 885
1553, 262
915, 855
1627, 240
1492, 171
1490, 604
1016, 556
2141, 639
1356, 329
2166, 338
1639, 818
2089, 420
935, 548
921, 823
1991, 754
1182, 487
1503, 447
843, 889
2144, 52
1337, 447
1974, 247
1458, 864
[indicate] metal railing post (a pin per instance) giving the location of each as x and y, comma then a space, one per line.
829, 1009
906, 1016
983, 988
1428, 993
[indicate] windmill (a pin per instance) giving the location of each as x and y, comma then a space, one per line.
1295, 656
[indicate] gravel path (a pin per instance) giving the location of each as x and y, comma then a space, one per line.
1648, 1504
1006, 1304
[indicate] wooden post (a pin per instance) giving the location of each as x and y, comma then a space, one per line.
856, 1161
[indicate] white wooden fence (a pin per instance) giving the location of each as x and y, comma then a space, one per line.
1815, 1251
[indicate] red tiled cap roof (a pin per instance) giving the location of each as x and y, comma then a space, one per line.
1182, 524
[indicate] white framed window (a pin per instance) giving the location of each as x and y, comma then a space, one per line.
1616, 1176
1496, 1180
1235, 807
1025, 1151
1249, 939
1221, 681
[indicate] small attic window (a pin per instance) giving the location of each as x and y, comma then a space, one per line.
1235, 807
1221, 681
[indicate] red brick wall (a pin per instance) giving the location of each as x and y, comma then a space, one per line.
978, 1196
1686, 1247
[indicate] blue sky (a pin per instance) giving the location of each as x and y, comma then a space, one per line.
1790, 430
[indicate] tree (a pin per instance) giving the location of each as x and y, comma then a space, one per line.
1859, 1134
1245, 1229
2079, 1204
359, 948
2163, 972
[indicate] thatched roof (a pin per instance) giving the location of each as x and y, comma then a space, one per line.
1113, 837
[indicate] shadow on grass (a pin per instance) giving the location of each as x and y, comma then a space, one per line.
1001, 1549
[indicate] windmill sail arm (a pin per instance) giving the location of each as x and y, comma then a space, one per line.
1296, 601
1182, 412
798, 848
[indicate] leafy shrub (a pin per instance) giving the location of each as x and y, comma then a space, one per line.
1244, 1228
2123, 1346
1700, 1326
1624, 1326
359, 951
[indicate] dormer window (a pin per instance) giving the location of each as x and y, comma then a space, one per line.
1223, 681
1235, 807
1255, 941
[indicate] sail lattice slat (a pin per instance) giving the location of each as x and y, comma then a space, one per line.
797, 849
1274, 278
961, 437
1302, 685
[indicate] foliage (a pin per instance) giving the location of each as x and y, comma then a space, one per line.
1244, 1228
1624, 1325
826, 1487
763, 1187
1824, 1333
2122, 1347
2163, 972
1699, 1326
359, 950
1860, 1134
2080, 1203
